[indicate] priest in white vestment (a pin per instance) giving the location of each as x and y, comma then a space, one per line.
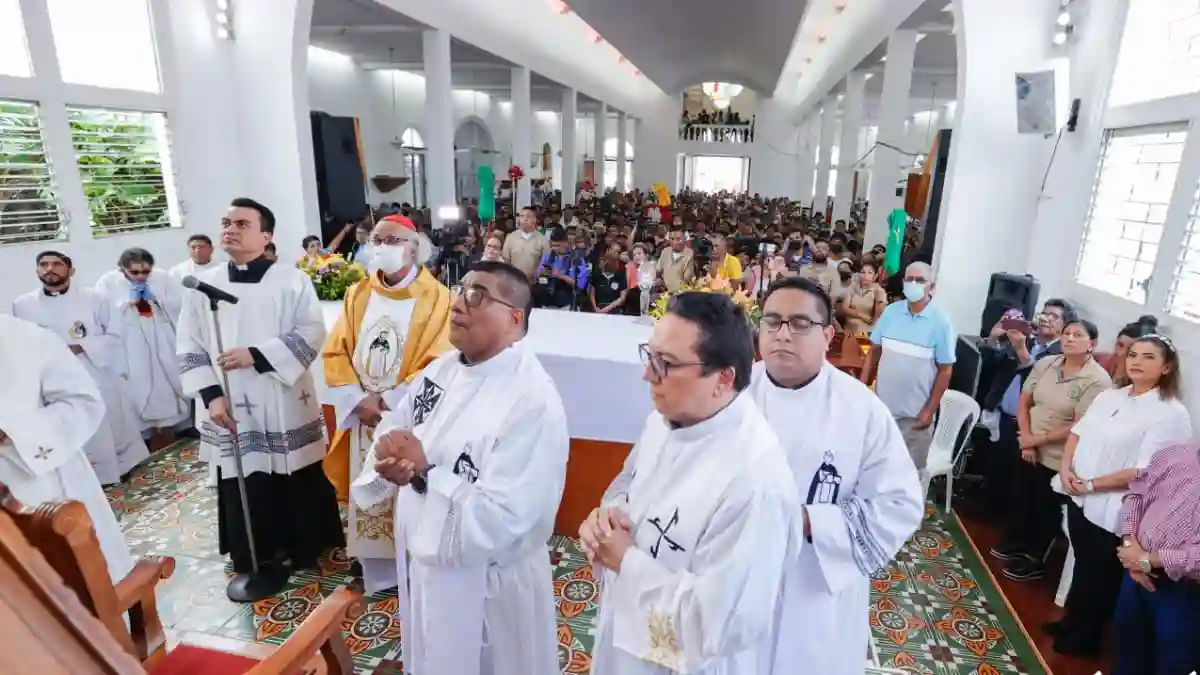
200, 258
146, 303
83, 319
270, 338
50, 407
859, 490
474, 459
692, 538
393, 324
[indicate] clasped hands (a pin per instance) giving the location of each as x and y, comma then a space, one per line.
370, 410
1130, 556
399, 456
605, 537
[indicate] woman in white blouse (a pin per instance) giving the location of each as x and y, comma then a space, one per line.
1118, 435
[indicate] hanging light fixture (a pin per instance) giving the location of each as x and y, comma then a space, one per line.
224, 19
1064, 23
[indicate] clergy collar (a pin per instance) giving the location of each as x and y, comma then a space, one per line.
413, 271
798, 387
505, 360
250, 273
54, 294
728, 416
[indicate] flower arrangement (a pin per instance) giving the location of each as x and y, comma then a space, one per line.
332, 275
710, 285
515, 172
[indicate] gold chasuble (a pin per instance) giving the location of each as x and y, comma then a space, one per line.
361, 352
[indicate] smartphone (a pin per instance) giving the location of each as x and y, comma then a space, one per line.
1017, 324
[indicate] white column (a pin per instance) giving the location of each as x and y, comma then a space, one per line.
621, 119
439, 120
522, 131
806, 162
598, 129
570, 163
893, 112
848, 150
631, 131
825, 156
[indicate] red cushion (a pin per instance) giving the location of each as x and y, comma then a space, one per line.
188, 660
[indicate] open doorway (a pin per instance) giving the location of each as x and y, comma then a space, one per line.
712, 173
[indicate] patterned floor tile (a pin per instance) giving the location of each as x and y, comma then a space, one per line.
933, 611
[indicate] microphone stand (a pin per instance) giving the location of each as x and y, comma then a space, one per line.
260, 582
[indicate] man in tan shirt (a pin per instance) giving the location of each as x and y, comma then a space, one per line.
675, 266
524, 248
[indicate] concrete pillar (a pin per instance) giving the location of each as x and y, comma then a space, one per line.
598, 129
439, 123
806, 157
570, 163
522, 131
994, 176
631, 131
621, 120
825, 153
848, 150
893, 113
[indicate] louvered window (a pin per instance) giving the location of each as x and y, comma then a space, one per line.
28, 196
124, 163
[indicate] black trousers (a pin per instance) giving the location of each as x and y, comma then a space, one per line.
1095, 582
1035, 510
999, 463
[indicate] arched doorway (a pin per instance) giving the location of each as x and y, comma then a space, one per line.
473, 148
610, 164
413, 147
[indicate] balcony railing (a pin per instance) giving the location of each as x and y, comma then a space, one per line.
717, 133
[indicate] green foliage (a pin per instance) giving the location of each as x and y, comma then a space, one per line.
28, 209
120, 163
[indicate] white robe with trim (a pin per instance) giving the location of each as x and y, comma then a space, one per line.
49, 407
82, 317
712, 533
476, 589
280, 425
151, 370
863, 497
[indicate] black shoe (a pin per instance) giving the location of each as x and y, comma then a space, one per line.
1076, 646
1024, 570
190, 433
1055, 628
1003, 551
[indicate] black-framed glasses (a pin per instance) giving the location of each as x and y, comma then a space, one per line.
797, 325
390, 240
660, 366
475, 296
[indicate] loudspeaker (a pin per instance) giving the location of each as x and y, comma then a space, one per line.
341, 187
933, 202
1007, 291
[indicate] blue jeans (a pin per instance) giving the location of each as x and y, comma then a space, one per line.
1158, 633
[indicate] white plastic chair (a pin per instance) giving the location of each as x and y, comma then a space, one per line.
956, 413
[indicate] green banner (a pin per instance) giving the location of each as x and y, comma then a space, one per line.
487, 193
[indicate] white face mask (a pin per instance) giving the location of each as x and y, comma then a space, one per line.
390, 259
913, 291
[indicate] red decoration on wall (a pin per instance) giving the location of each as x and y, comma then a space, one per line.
560, 6
515, 172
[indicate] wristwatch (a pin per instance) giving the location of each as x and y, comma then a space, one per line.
420, 481
1089, 486
1144, 565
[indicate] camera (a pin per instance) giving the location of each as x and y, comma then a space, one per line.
452, 234
702, 249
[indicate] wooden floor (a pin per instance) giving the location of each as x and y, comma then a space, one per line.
1031, 601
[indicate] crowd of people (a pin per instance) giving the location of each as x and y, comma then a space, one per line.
761, 566
717, 126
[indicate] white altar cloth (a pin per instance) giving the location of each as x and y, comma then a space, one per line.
592, 358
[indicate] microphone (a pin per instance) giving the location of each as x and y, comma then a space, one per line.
215, 294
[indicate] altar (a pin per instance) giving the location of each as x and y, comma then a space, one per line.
593, 359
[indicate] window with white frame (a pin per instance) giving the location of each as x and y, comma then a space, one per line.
1183, 300
1160, 52
125, 165
14, 53
1130, 196
28, 205
105, 44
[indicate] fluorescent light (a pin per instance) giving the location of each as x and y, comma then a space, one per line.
1064, 18
320, 53
448, 212
223, 18
223, 32
222, 5
922, 36
869, 76
883, 58
1060, 38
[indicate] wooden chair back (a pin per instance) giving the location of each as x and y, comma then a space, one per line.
63, 533
44, 627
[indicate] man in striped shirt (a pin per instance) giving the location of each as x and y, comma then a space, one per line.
1158, 614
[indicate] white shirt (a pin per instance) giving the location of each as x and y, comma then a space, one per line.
1117, 432
190, 268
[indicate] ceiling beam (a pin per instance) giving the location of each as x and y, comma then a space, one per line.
933, 28
419, 66
936, 72
334, 31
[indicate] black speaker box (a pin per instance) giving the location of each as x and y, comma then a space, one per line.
937, 185
1007, 291
341, 187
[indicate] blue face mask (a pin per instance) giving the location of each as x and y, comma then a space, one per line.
913, 291
140, 290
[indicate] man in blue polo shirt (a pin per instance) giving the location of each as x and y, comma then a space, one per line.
913, 353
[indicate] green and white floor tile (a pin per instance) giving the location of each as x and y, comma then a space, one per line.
933, 611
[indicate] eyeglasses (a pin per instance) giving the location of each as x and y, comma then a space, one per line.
137, 273
915, 280
660, 366
475, 296
797, 325
390, 240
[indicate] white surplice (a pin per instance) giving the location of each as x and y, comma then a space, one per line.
713, 509
191, 268
49, 407
860, 489
82, 317
151, 369
476, 592
279, 421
